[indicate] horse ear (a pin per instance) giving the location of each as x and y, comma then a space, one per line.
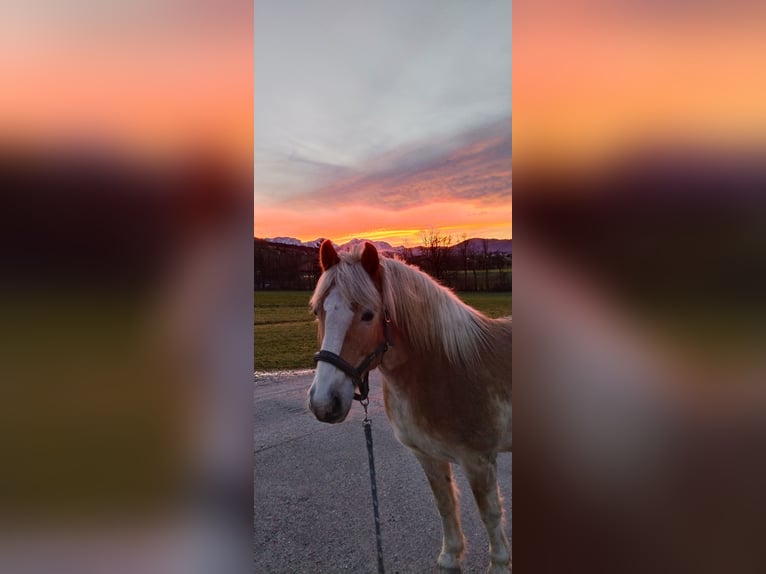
370, 259
327, 255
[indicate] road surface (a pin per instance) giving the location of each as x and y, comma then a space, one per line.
313, 508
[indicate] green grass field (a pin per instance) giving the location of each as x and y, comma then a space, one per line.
285, 331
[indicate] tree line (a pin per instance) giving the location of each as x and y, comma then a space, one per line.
463, 266
284, 267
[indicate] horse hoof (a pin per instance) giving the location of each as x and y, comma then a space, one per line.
497, 568
448, 564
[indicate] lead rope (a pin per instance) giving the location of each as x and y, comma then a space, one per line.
367, 423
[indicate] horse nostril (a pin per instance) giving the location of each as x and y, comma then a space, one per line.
336, 406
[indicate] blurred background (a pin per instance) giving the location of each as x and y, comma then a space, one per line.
639, 179
126, 286
126, 273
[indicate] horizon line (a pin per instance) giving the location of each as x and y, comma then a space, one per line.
363, 238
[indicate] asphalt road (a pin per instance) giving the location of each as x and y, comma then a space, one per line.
313, 508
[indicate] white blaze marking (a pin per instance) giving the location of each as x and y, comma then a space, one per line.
338, 317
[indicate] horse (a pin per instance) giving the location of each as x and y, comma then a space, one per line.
446, 372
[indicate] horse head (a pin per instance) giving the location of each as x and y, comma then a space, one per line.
352, 329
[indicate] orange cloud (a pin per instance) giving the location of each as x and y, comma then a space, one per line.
474, 167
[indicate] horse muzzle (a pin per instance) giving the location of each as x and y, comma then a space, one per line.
332, 408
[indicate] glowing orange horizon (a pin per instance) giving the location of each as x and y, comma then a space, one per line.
397, 227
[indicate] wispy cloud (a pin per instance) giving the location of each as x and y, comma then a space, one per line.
473, 166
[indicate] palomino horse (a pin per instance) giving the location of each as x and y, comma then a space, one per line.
446, 371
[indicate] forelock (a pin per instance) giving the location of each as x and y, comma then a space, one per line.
353, 282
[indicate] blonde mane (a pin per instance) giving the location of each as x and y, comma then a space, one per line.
431, 315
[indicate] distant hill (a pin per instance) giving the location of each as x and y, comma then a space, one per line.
284, 247
293, 241
475, 245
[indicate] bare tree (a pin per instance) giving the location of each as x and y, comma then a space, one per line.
485, 261
463, 251
445, 251
474, 267
437, 247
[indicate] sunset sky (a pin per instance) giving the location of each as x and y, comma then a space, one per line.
382, 120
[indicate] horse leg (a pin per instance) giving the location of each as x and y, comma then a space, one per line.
482, 476
439, 474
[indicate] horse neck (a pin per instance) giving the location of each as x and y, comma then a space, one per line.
429, 317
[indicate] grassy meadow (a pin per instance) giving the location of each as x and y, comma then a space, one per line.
285, 331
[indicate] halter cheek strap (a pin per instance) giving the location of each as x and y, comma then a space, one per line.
360, 374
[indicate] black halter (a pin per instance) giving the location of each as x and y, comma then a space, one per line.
360, 375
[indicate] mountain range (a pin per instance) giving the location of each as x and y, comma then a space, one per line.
475, 244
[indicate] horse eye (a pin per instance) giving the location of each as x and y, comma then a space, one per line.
367, 316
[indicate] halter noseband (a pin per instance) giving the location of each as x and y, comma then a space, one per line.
360, 375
